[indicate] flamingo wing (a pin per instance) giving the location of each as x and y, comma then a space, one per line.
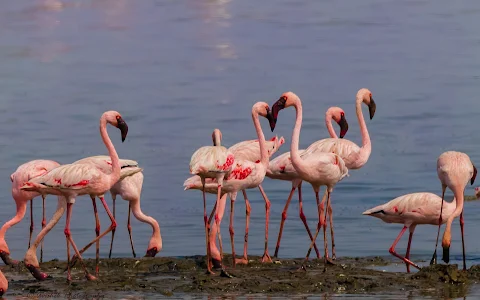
250, 150
346, 149
71, 176
211, 159
104, 162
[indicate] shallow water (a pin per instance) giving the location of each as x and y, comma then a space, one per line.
178, 69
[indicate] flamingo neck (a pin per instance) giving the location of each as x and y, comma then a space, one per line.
366, 143
459, 199
297, 161
115, 175
217, 141
328, 122
261, 139
21, 209
156, 239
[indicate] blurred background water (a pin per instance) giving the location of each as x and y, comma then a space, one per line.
178, 69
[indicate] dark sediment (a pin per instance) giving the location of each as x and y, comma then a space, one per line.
176, 276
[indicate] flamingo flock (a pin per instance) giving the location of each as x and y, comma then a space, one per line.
216, 169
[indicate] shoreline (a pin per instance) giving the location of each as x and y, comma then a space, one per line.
174, 277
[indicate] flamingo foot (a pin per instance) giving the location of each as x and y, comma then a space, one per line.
241, 261
217, 264
73, 261
334, 257
266, 258
90, 277
329, 261
433, 261
37, 274
7, 259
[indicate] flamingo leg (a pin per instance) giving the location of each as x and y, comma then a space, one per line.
304, 219
31, 222
434, 257
44, 223
266, 256
462, 223
69, 276
330, 217
70, 240
407, 255
217, 222
232, 231
282, 223
129, 227
97, 233
113, 231
244, 259
207, 229
392, 249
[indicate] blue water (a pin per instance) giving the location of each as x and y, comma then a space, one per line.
178, 69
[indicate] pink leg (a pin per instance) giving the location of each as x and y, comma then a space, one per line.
207, 229
232, 231
97, 233
304, 219
70, 241
31, 222
392, 249
129, 227
330, 217
266, 256
244, 259
462, 223
434, 257
113, 231
44, 223
407, 255
282, 223
213, 233
217, 222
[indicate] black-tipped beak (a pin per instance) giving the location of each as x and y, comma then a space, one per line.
343, 126
276, 107
474, 175
271, 120
123, 128
151, 252
371, 108
446, 254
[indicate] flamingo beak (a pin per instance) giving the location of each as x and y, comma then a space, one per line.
276, 107
474, 175
123, 127
371, 108
151, 252
343, 126
271, 119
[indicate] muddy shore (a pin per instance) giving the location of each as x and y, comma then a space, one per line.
173, 277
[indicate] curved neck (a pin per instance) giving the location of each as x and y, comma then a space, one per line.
261, 139
297, 161
21, 209
459, 199
115, 175
137, 212
328, 122
366, 144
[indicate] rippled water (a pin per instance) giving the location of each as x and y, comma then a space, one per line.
178, 69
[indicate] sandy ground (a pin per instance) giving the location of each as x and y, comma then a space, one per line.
174, 277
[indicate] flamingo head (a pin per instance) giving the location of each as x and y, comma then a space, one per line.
262, 109
287, 99
338, 115
364, 95
115, 119
154, 247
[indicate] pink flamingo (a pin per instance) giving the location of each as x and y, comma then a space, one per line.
3, 284
246, 150
411, 210
281, 168
24, 173
455, 170
129, 187
211, 162
245, 175
318, 169
74, 180
354, 156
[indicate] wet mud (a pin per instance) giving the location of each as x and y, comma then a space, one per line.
172, 277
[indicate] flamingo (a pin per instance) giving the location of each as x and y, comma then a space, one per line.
281, 168
211, 162
411, 210
129, 188
24, 173
74, 180
455, 170
246, 150
318, 169
354, 156
3, 284
245, 175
